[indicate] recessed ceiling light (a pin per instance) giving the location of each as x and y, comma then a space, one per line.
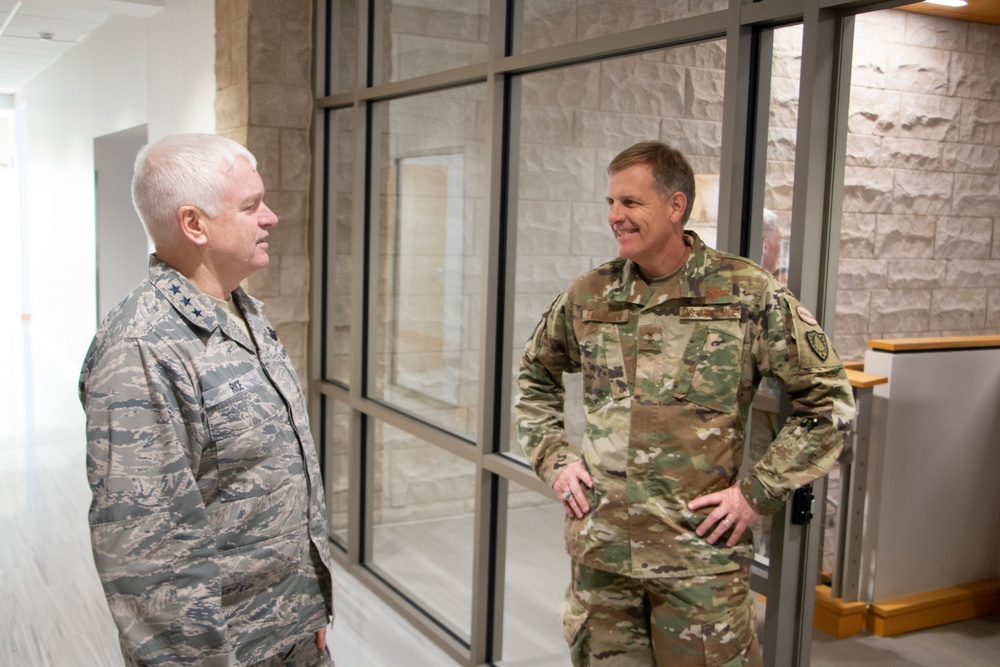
948, 3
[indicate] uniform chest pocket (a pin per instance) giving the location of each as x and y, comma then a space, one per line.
712, 364
601, 359
244, 419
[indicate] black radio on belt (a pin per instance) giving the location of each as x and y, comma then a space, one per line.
802, 503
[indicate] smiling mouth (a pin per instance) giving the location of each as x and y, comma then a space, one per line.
624, 232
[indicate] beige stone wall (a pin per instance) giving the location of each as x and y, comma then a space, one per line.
920, 239
264, 100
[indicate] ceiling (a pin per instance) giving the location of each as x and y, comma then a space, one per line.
980, 11
34, 33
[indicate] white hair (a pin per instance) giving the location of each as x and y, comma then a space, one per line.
182, 170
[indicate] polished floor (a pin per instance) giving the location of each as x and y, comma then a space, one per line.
52, 610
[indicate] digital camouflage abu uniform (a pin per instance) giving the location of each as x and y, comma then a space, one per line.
669, 372
207, 520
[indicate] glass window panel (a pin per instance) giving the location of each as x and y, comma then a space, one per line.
336, 444
343, 44
428, 211
786, 62
572, 122
339, 278
427, 36
537, 572
920, 232
542, 24
423, 524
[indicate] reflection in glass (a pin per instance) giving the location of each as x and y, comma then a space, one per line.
544, 23
339, 278
427, 36
428, 209
336, 442
786, 62
537, 572
573, 121
423, 524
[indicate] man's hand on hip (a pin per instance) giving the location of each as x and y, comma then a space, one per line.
732, 513
569, 485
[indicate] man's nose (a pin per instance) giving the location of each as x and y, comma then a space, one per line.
615, 213
267, 218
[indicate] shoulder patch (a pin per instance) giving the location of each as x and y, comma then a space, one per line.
806, 316
817, 341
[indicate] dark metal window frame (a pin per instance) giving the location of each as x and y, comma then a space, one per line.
821, 136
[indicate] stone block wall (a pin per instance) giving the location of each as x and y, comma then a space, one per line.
264, 100
920, 237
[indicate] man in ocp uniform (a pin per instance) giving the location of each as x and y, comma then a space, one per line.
672, 339
207, 517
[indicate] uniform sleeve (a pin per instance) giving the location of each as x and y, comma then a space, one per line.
149, 527
538, 410
791, 347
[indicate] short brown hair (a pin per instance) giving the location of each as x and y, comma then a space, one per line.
671, 170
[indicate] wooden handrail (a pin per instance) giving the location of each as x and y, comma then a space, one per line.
924, 344
860, 379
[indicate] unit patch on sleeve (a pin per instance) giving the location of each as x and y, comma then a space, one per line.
817, 341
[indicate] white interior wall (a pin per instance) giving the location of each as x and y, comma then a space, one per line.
159, 72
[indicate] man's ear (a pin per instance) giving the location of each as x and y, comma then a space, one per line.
192, 224
678, 204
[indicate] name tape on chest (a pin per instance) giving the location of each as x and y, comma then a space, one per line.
613, 316
710, 313
233, 387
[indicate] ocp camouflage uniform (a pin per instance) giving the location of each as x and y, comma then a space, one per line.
207, 520
669, 372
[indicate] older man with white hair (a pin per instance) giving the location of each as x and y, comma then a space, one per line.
207, 519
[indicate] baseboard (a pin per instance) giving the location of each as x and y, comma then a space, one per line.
925, 610
835, 617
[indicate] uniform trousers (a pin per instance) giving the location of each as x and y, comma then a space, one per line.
302, 654
612, 620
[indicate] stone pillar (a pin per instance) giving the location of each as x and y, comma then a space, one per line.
264, 100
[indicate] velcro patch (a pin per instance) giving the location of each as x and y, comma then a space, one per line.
614, 316
710, 313
650, 338
806, 316
820, 347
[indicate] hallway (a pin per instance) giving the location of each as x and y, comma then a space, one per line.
52, 610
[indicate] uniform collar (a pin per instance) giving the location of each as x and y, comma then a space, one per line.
692, 282
201, 311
